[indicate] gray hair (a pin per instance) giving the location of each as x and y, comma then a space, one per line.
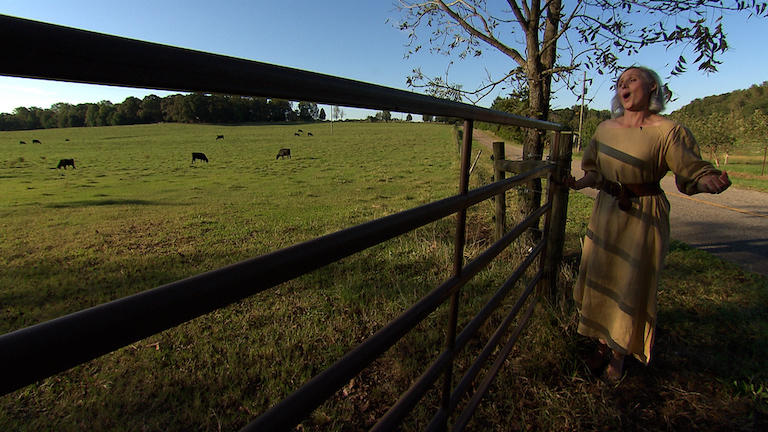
659, 96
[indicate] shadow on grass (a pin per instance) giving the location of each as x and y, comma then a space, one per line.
106, 202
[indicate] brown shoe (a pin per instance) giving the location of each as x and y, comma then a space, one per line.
599, 359
615, 370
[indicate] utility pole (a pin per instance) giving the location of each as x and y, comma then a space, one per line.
581, 113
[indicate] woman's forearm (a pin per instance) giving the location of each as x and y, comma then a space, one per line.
589, 180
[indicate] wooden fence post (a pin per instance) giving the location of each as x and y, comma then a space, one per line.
501, 202
558, 193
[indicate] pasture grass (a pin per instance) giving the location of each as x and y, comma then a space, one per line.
136, 213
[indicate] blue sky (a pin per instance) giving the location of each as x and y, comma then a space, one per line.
347, 38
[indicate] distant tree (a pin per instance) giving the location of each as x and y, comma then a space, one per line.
308, 111
196, 108
173, 107
384, 115
756, 129
426, 118
151, 109
9, 122
247, 109
48, 118
106, 113
28, 118
715, 133
128, 111
338, 113
92, 115
220, 109
409, 117
322, 114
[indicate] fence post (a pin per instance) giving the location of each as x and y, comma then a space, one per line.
459, 139
458, 264
560, 155
501, 202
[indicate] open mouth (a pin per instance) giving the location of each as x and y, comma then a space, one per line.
625, 95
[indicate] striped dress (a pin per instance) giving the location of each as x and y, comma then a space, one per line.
623, 254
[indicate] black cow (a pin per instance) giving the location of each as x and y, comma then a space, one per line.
218, 137
22, 142
64, 163
309, 134
301, 130
297, 134
36, 141
66, 139
200, 156
283, 152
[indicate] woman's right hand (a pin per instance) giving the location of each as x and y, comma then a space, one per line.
589, 180
713, 183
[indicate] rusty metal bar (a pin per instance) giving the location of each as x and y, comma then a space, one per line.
300, 403
500, 215
488, 349
408, 400
466, 415
517, 166
44, 349
473, 370
458, 261
34, 49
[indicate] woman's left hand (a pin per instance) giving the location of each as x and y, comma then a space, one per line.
714, 183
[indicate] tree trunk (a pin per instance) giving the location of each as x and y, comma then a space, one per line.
538, 67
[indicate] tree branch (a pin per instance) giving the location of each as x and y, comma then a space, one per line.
521, 19
512, 53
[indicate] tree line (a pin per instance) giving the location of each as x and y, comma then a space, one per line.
725, 123
177, 108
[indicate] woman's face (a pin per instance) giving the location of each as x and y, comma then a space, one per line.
634, 90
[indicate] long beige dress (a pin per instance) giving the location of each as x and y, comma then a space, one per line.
623, 253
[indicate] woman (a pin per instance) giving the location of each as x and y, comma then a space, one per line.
628, 232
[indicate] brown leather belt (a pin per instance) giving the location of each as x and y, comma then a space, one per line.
624, 191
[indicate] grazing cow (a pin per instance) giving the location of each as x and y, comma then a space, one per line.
283, 152
64, 163
300, 130
22, 142
218, 137
297, 134
36, 141
66, 139
200, 156
309, 134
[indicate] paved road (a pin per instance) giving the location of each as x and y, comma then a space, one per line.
732, 225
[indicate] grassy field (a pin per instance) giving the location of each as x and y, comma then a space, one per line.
136, 213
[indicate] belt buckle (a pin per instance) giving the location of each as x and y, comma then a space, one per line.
616, 189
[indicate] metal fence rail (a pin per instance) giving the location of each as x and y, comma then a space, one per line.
46, 51
34, 49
